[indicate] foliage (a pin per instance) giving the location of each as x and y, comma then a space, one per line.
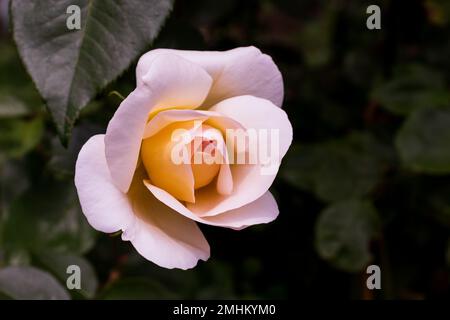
69, 66
367, 180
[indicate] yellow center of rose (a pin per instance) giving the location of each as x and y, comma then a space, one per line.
180, 178
204, 171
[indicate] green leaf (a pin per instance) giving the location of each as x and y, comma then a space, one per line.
17, 136
70, 66
18, 96
28, 283
136, 289
62, 161
316, 37
343, 232
17, 257
338, 169
13, 182
57, 264
48, 217
216, 282
212, 280
300, 165
11, 107
423, 141
411, 88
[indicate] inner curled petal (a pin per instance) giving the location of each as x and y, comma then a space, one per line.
174, 177
204, 173
184, 151
204, 165
210, 160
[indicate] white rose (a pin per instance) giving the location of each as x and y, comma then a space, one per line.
127, 180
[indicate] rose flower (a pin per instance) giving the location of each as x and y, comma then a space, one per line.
151, 175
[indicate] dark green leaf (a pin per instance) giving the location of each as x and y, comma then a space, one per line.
423, 142
13, 182
413, 87
18, 257
57, 264
136, 289
11, 107
218, 282
62, 161
17, 136
212, 280
48, 217
339, 169
70, 66
18, 96
343, 232
299, 167
315, 38
24, 283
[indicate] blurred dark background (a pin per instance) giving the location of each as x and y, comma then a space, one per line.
367, 180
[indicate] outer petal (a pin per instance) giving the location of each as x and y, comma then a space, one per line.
250, 181
262, 210
241, 71
167, 117
105, 207
169, 82
162, 235
256, 113
158, 233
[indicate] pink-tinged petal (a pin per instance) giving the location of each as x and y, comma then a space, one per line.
248, 185
224, 180
224, 183
170, 201
161, 234
256, 113
169, 82
236, 72
250, 181
212, 119
106, 208
262, 210
167, 117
